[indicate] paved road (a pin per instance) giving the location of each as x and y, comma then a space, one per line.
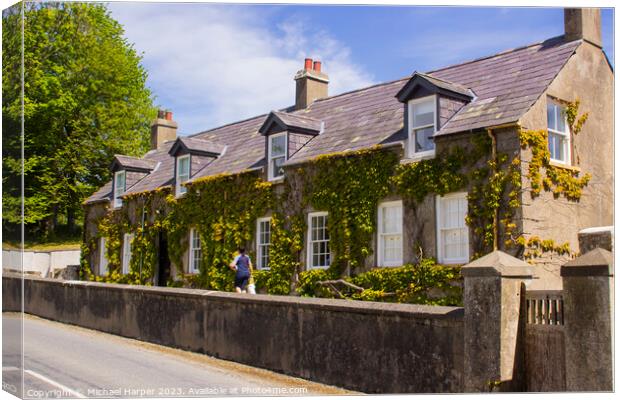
67, 361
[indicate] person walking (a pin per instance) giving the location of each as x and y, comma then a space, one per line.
242, 265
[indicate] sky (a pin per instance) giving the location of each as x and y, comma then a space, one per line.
214, 64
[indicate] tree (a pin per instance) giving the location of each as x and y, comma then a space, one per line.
85, 99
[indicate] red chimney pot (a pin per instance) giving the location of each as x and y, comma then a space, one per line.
317, 66
169, 115
308, 63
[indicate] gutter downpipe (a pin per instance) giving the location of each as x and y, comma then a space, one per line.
495, 167
142, 255
496, 211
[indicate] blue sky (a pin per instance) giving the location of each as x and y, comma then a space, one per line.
213, 64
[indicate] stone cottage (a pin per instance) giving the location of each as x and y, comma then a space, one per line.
511, 151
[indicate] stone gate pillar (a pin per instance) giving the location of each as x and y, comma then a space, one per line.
493, 298
588, 283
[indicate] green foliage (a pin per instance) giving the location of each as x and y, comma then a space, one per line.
440, 175
424, 283
223, 209
85, 100
308, 282
349, 187
283, 254
561, 181
535, 247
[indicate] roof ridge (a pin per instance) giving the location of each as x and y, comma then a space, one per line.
359, 90
503, 52
555, 38
225, 125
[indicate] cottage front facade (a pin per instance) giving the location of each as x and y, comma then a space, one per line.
511, 151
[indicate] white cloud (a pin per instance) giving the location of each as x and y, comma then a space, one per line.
215, 64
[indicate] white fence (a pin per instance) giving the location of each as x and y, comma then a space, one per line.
43, 262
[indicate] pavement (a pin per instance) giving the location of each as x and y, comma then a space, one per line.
65, 361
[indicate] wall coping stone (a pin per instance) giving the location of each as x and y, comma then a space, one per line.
597, 229
498, 263
597, 262
417, 311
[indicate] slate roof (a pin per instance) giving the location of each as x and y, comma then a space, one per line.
292, 122
199, 145
506, 85
128, 162
417, 78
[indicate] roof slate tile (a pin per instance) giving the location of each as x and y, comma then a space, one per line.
506, 85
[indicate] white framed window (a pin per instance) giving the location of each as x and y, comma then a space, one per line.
103, 258
276, 152
127, 239
558, 133
195, 251
119, 187
183, 171
422, 126
263, 241
319, 255
390, 234
452, 231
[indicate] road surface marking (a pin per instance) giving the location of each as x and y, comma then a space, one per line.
54, 383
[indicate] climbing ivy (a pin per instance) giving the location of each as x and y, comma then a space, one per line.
542, 174
223, 209
348, 185
423, 283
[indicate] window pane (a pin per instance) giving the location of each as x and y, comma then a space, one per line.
319, 242
423, 139
560, 119
278, 145
557, 147
454, 233
184, 166
551, 116
276, 166
424, 113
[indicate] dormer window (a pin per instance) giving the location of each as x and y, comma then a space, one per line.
183, 173
422, 126
188, 151
558, 133
119, 187
277, 155
286, 135
423, 95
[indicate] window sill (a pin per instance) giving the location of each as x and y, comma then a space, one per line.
418, 157
391, 265
276, 180
313, 268
559, 164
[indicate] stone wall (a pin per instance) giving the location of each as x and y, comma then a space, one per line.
43, 263
364, 346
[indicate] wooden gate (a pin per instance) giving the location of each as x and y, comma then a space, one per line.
545, 369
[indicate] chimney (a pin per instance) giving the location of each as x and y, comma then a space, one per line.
583, 23
162, 129
311, 84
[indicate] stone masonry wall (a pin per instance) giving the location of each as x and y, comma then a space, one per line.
369, 347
